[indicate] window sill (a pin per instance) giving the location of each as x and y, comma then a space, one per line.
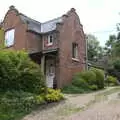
50, 44
75, 59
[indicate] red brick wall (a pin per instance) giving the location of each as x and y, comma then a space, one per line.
71, 31
29, 41
45, 41
34, 42
12, 20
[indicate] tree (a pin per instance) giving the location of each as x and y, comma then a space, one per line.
94, 49
112, 46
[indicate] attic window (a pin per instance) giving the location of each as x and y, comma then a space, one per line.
9, 37
50, 39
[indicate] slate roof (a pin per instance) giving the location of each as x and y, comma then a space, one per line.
38, 27
50, 25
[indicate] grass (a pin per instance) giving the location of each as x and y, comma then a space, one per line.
71, 89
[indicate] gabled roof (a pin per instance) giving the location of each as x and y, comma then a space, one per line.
38, 27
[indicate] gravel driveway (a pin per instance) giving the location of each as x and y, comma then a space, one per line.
102, 105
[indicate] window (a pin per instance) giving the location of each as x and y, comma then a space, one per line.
50, 39
9, 37
75, 50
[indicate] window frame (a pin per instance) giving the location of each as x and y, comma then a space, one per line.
8, 36
49, 40
75, 51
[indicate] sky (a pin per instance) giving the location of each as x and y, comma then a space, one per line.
98, 17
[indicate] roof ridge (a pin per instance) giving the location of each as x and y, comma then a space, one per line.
51, 20
30, 18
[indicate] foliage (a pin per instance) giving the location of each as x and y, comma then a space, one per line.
95, 51
15, 104
116, 64
111, 81
93, 87
86, 81
89, 76
53, 95
18, 72
72, 89
99, 78
79, 82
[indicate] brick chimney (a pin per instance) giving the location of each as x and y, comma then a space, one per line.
12, 7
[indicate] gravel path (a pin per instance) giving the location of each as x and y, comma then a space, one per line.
103, 105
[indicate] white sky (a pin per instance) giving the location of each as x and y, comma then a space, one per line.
98, 17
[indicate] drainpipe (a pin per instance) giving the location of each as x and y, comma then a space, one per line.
86, 47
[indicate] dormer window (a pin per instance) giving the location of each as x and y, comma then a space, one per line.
50, 39
9, 37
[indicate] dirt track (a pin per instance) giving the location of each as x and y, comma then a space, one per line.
103, 105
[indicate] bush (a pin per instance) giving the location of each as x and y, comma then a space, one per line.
89, 76
116, 64
93, 87
99, 78
80, 82
53, 95
111, 81
18, 72
86, 81
15, 104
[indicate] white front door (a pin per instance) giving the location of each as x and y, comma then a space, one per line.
50, 73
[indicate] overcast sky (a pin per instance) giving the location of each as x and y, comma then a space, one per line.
99, 17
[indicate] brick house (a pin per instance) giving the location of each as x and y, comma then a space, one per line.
58, 45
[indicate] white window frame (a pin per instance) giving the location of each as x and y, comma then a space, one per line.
49, 40
75, 51
9, 37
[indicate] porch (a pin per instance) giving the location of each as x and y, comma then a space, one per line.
49, 66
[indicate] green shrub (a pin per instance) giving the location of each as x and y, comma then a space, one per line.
86, 81
89, 76
39, 99
15, 104
99, 78
116, 64
93, 87
111, 81
53, 95
18, 72
80, 82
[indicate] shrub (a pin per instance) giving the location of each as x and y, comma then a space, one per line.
93, 87
15, 104
80, 82
18, 72
99, 78
39, 99
86, 81
53, 95
116, 64
111, 81
89, 76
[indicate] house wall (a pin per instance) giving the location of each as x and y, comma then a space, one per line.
45, 41
70, 31
12, 20
34, 42
24, 39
